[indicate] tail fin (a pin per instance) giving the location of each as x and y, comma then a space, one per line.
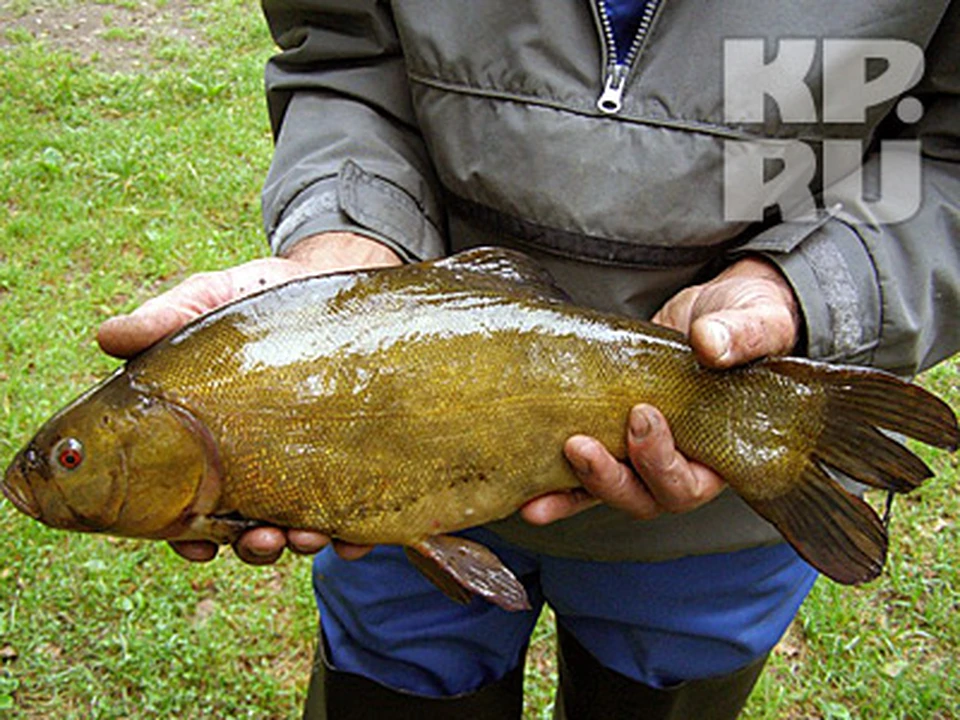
834, 531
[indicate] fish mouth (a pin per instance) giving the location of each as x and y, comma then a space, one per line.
17, 490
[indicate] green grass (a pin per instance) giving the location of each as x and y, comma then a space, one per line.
116, 184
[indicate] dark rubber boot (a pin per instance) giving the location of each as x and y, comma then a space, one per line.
337, 695
590, 691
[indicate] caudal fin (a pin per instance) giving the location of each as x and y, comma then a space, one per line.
834, 531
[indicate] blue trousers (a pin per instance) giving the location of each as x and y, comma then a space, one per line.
657, 623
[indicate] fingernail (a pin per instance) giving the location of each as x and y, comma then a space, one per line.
579, 463
260, 552
719, 339
260, 544
640, 425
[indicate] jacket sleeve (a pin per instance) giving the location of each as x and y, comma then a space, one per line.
348, 153
888, 294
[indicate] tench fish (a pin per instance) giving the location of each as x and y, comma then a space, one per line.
401, 405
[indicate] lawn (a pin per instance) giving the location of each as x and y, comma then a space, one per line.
135, 140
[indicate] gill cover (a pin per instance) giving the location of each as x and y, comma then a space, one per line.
116, 460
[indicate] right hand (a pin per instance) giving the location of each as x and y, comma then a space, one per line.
124, 336
747, 312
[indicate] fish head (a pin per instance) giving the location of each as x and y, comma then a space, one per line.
117, 460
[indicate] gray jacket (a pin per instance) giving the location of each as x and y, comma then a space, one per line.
437, 126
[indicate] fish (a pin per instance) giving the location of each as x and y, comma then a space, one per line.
402, 405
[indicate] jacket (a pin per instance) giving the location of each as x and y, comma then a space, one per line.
433, 127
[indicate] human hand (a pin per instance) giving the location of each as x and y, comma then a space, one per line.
126, 335
747, 312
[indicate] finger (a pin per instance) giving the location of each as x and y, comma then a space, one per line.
613, 482
124, 336
737, 336
306, 542
676, 483
309, 542
195, 550
557, 506
261, 546
349, 551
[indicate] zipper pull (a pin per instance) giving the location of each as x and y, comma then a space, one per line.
611, 99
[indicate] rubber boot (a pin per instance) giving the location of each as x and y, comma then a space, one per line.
590, 691
338, 695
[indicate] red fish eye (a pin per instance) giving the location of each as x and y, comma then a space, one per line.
70, 454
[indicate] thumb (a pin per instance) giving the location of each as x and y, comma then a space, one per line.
737, 336
124, 336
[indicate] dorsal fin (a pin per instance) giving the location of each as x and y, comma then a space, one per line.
509, 265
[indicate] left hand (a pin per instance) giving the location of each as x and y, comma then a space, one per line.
747, 312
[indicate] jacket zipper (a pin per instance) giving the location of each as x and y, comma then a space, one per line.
615, 74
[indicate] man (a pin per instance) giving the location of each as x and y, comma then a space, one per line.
592, 136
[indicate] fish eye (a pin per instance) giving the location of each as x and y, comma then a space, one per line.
68, 453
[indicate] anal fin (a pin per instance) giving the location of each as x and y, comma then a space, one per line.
461, 567
434, 572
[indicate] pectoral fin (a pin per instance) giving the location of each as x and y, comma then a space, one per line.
222, 529
460, 567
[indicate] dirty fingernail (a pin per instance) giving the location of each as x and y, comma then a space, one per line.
580, 464
640, 425
718, 336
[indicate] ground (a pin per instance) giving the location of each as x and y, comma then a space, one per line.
114, 36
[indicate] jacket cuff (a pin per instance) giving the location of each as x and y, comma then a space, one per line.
834, 278
360, 202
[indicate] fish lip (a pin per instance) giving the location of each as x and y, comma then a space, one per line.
19, 494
